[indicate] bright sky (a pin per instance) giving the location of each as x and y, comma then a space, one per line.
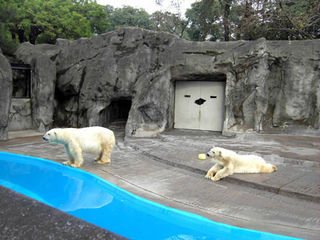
149, 5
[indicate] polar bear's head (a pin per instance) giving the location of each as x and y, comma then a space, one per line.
51, 136
214, 152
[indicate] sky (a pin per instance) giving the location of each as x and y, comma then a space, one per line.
149, 5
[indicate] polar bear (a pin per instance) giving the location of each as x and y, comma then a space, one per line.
96, 140
229, 162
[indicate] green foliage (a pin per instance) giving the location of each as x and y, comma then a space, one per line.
244, 19
95, 14
53, 19
280, 20
129, 16
205, 20
7, 12
43, 21
169, 22
7, 45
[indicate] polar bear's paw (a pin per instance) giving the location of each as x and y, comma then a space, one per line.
274, 168
66, 163
209, 175
103, 161
71, 164
215, 178
75, 165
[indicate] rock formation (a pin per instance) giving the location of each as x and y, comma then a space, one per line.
270, 85
41, 58
5, 95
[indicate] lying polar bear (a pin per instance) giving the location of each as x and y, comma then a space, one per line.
96, 140
229, 162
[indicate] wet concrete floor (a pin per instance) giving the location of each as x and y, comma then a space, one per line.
166, 169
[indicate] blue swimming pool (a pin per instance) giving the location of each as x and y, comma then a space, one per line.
97, 201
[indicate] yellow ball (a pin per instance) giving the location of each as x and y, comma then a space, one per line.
202, 156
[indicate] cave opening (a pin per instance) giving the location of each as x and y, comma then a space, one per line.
116, 114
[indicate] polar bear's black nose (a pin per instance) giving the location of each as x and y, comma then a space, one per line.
208, 155
44, 138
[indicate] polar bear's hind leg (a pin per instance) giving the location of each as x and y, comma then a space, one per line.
268, 168
105, 154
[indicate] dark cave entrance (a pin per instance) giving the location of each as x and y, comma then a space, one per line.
116, 114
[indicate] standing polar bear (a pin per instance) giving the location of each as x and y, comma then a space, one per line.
97, 140
229, 162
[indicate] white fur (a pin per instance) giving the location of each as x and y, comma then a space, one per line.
97, 140
229, 162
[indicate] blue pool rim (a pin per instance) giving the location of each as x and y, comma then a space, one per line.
69, 170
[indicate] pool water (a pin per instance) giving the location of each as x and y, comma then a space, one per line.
97, 201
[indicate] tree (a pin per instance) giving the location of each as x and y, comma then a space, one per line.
249, 24
226, 5
252, 19
129, 16
279, 20
43, 21
204, 19
39, 21
168, 22
55, 19
300, 19
7, 13
96, 14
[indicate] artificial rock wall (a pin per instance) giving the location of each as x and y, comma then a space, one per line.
270, 85
5, 95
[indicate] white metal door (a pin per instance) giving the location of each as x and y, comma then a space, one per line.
199, 105
186, 112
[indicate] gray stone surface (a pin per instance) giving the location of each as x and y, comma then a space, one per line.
41, 58
5, 95
270, 85
20, 116
23, 218
309, 184
166, 170
182, 152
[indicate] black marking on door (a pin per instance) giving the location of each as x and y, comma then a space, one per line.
213, 96
199, 101
187, 95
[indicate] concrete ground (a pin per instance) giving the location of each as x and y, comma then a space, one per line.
22, 218
166, 170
